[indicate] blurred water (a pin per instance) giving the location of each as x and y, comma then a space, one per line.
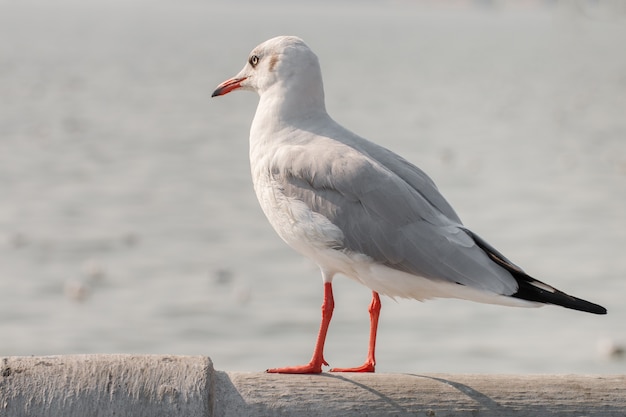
128, 221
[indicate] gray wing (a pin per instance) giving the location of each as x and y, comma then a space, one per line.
391, 211
412, 175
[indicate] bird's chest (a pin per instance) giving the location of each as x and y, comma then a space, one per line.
295, 222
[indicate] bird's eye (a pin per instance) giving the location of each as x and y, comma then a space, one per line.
254, 60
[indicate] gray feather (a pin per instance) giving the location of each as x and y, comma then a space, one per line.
387, 209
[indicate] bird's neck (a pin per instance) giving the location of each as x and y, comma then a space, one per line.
280, 107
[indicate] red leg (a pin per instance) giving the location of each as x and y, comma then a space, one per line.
315, 366
370, 362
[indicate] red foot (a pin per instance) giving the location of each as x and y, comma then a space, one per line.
310, 368
366, 367
370, 362
315, 366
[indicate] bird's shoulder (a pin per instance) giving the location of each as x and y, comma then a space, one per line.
337, 160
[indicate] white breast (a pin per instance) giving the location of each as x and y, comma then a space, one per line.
304, 230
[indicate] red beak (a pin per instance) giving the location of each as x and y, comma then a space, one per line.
228, 86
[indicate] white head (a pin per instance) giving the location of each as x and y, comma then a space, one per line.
284, 68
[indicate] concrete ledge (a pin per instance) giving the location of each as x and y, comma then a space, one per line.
106, 385
127, 385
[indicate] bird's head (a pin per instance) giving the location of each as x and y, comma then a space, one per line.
284, 62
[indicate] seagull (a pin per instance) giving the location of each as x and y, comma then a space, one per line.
358, 209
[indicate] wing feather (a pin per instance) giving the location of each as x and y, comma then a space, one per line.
391, 211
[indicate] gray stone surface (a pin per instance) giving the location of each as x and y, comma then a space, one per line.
260, 394
105, 385
155, 386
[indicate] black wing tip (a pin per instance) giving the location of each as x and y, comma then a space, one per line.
534, 292
591, 307
584, 306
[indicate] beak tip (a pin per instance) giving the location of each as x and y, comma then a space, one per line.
228, 86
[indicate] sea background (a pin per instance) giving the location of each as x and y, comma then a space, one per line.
128, 223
